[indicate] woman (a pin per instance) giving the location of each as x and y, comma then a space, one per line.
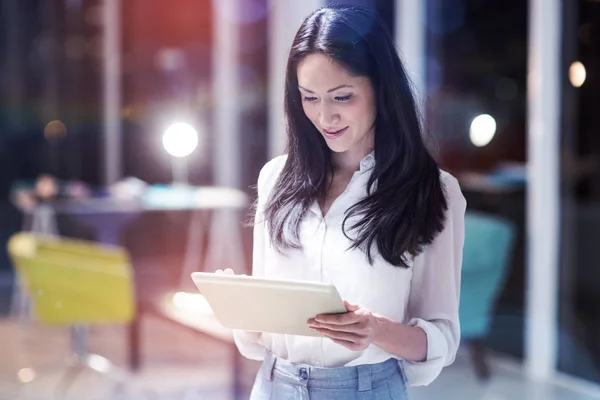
359, 202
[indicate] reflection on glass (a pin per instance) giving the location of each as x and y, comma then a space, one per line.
579, 318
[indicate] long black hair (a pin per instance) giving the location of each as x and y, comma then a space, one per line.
405, 203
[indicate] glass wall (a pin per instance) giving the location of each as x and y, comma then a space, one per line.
579, 347
476, 116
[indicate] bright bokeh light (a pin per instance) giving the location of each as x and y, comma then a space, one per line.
483, 129
26, 375
99, 363
180, 140
577, 74
55, 130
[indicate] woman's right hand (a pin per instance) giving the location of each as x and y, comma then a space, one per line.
252, 335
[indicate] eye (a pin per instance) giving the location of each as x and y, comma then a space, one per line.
344, 98
309, 99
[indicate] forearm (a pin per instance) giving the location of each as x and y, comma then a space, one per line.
404, 341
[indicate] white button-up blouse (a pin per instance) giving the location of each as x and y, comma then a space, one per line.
425, 295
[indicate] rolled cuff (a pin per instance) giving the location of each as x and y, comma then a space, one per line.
425, 372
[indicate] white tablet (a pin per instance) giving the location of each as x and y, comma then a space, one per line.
267, 305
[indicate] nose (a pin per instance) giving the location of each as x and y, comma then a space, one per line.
328, 116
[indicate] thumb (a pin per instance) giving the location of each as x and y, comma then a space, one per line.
350, 307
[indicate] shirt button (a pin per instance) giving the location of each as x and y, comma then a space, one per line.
303, 374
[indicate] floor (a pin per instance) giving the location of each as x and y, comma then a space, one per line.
507, 383
180, 366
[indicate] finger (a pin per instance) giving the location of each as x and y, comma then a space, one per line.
219, 271
338, 319
351, 307
229, 271
339, 335
355, 328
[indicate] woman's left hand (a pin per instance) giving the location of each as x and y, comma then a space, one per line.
354, 330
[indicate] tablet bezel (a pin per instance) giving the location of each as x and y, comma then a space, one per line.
282, 305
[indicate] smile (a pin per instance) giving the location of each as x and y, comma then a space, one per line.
329, 134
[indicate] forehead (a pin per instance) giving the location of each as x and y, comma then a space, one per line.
319, 72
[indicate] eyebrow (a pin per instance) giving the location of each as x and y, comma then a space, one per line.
329, 91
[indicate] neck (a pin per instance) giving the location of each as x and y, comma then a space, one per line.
349, 161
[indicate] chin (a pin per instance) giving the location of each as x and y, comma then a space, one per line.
337, 145
337, 148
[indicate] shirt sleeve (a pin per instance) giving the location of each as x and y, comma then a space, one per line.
435, 291
248, 347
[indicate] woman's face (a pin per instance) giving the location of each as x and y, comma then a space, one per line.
342, 107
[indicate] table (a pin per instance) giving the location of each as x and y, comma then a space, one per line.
107, 215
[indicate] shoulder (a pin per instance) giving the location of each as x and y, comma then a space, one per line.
452, 189
270, 172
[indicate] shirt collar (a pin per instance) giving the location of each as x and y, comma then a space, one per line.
367, 162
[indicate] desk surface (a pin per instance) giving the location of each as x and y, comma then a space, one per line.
490, 184
155, 198
193, 311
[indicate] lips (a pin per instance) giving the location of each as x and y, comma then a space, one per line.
332, 134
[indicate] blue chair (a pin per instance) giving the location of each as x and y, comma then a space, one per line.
486, 258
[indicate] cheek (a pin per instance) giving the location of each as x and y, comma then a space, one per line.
310, 112
362, 113
372, 107
353, 113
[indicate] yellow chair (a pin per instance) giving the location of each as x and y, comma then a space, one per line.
75, 283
